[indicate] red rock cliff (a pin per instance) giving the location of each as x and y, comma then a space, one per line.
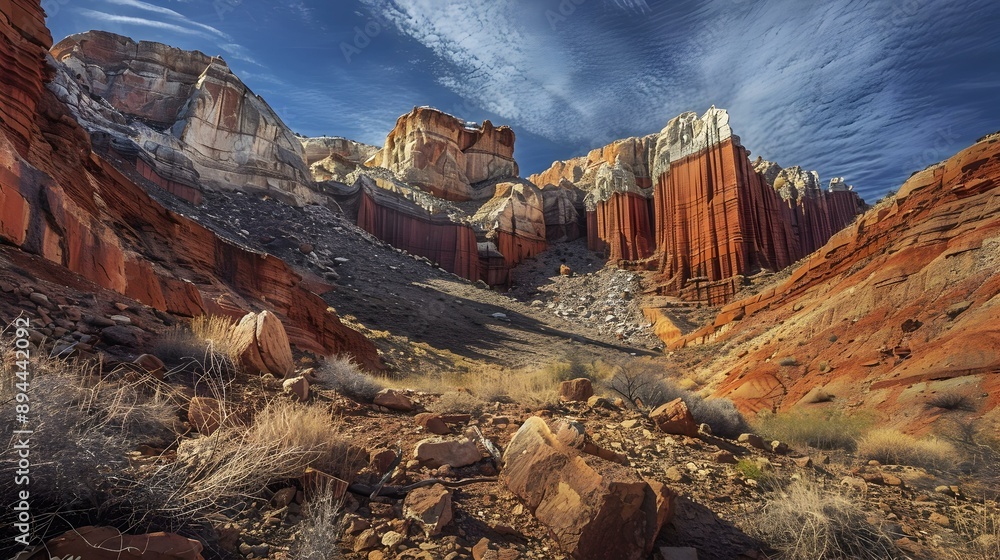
447, 158
902, 303
61, 201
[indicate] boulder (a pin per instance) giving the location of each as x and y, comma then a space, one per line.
298, 387
576, 390
205, 414
433, 423
108, 543
595, 509
436, 452
262, 344
430, 507
674, 418
394, 400
151, 364
273, 343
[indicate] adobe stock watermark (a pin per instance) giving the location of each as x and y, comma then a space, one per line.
562, 12
21, 436
363, 37
223, 7
52, 7
942, 147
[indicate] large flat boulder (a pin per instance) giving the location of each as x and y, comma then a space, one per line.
595, 509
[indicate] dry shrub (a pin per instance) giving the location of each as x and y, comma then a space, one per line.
284, 439
641, 381
823, 430
892, 447
83, 426
804, 522
951, 401
207, 341
320, 529
457, 402
343, 375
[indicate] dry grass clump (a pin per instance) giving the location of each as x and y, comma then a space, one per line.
284, 439
823, 430
207, 341
951, 401
525, 386
83, 426
981, 529
806, 522
343, 375
892, 447
457, 402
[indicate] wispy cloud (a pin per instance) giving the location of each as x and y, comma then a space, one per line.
830, 85
145, 6
144, 22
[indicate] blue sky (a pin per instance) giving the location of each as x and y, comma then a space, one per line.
868, 90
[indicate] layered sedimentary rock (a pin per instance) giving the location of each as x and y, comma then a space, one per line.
564, 212
187, 109
408, 225
514, 220
332, 158
446, 156
61, 201
902, 303
598, 177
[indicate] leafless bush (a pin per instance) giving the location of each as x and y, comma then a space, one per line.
804, 522
343, 375
206, 343
321, 528
951, 401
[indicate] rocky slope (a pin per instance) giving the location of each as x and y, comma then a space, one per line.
90, 214
902, 303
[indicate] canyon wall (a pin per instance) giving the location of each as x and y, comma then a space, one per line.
62, 201
688, 203
903, 302
447, 157
186, 107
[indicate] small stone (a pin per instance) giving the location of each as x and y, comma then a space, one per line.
803, 462
724, 457
366, 540
565, 270
674, 474
754, 440
629, 424
946, 490
283, 497
576, 390
297, 387
152, 365
392, 539
939, 519
305, 248
779, 447
394, 400
121, 319
41, 299
430, 507
432, 423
